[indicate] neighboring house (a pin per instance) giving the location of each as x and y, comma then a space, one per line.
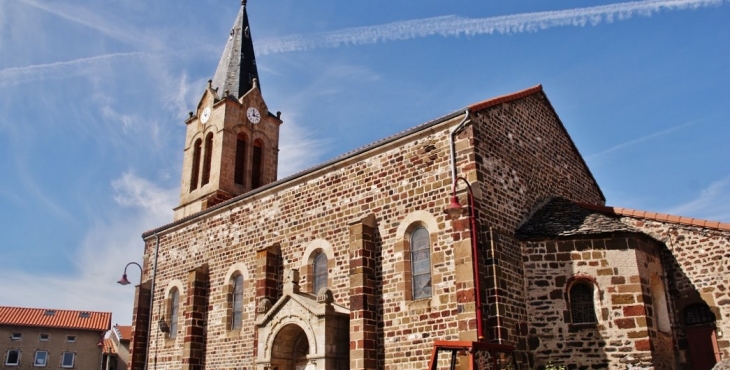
50, 338
117, 347
354, 264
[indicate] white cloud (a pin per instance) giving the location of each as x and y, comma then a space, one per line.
77, 67
298, 150
452, 26
113, 28
100, 259
134, 191
713, 203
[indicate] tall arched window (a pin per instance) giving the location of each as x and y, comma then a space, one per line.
258, 160
421, 263
208, 158
240, 170
174, 307
582, 306
237, 302
320, 271
196, 165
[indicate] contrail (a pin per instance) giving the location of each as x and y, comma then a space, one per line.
451, 26
644, 138
77, 67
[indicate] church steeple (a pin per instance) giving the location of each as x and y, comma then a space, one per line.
232, 140
237, 67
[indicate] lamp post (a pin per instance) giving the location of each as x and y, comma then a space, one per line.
455, 210
125, 281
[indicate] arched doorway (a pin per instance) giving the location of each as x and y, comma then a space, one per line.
699, 324
290, 349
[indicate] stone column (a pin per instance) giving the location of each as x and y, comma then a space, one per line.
140, 323
363, 320
196, 318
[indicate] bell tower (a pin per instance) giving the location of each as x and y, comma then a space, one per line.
232, 140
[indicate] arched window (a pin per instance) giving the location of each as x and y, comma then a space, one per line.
196, 165
208, 158
237, 302
319, 267
582, 307
240, 170
258, 160
174, 307
421, 263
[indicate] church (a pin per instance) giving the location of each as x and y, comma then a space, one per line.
477, 240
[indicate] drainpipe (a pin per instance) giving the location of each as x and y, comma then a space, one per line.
455, 178
455, 131
152, 301
496, 287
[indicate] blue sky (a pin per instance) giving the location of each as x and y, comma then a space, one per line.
93, 95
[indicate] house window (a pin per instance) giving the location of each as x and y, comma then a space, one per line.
319, 267
41, 358
174, 305
70, 338
237, 303
256, 170
196, 165
240, 170
67, 360
582, 307
44, 337
421, 263
12, 358
208, 159
16, 336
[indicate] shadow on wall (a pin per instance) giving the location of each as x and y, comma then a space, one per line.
694, 314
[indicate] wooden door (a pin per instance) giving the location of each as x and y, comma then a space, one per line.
703, 350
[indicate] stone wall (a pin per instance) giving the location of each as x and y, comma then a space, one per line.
620, 269
697, 264
523, 155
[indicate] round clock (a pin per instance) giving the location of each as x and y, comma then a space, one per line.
205, 116
253, 115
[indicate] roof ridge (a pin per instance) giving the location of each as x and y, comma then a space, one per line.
655, 216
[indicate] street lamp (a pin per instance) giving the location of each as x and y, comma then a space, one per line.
123, 280
455, 210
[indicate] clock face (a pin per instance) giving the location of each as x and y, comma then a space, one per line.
253, 115
205, 116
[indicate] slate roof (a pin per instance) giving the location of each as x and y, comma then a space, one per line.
52, 318
559, 217
237, 67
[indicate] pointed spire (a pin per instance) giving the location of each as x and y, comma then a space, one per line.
237, 68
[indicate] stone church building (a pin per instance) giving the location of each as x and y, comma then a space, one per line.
354, 263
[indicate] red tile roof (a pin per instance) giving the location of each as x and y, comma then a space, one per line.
51, 318
124, 332
505, 98
662, 217
109, 347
